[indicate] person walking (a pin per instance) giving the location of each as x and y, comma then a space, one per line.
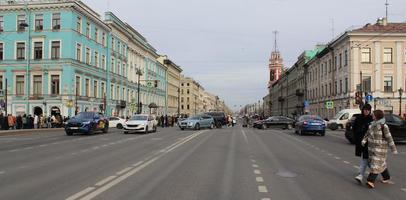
19, 122
10, 121
360, 128
36, 121
378, 140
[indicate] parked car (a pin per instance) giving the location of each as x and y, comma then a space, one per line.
396, 125
341, 118
140, 123
197, 122
219, 118
116, 122
87, 122
257, 123
277, 122
310, 124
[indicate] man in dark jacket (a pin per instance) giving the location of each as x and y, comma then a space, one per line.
360, 128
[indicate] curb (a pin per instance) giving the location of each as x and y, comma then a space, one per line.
28, 131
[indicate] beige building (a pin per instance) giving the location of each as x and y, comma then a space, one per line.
190, 101
173, 85
371, 60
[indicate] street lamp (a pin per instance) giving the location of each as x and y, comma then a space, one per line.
400, 101
139, 73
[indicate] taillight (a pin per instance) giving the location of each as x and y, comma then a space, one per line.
305, 123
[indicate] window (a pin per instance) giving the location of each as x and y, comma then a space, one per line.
335, 88
341, 60
1, 82
387, 83
118, 93
55, 49
104, 39
77, 92
183, 107
54, 84
96, 59
366, 84
88, 29
103, 62
182, 99
38, 50
341, 86
187, 91
103, 90
20, 51
1, 24
96, 34
336, 63
188, 107
78, 52
346, 86
21, 23
79, 25
37, 85
20, 84
1, 51
111, 91
87, 87
95, 89
112, 65
87, 56
123, 72
56, 21
39, 22
387, 55
345, 58
366, 55
112, 44
118, 67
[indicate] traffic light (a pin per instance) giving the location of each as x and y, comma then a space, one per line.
156, 83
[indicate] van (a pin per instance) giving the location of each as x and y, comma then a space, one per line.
341, 118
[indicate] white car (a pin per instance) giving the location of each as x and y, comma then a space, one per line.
140, 123
116, 122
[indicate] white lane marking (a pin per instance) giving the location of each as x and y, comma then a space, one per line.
356, 167
156, 138
266, 199
254, 161
346, 162
403, 189
104, 181
257, 171
43, 145
124, 170
2, 172
337, 158
28, 148
330, 154
74, 153
14, 150
81, 193
137, 169
262, 189
138, 163
255, 166
259, 179
245, 136
85, 150
96, 147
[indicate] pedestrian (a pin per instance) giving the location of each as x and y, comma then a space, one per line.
2, 122
360, 128
19, 122
30, 121
166, 121
378, 140
162, 120
25, 121
36, 121
10, 121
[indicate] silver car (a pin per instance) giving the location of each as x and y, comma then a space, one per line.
197, 122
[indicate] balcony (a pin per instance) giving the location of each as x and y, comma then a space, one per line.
300, 92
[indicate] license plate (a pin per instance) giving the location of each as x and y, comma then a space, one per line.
74, 128
316, 124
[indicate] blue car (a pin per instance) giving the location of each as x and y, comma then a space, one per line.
88, 123
310, 124
197, 122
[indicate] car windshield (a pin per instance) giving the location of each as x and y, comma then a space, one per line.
195, 117
85, 115
310, 117
338, 115
139, 118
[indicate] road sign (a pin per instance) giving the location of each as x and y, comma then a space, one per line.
150, 84
329, 104
369, 98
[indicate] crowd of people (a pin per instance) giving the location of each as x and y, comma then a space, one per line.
167, 121
10, 122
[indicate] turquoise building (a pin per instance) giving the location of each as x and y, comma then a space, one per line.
61, 57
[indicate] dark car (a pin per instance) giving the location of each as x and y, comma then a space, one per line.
257, 123
396, 125
310, 124
277, 122
87, 122
219, 118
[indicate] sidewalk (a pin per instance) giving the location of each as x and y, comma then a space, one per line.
27, 131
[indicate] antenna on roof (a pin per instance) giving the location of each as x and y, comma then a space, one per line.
276, 42
386, 5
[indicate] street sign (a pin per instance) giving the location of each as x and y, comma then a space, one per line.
369, 98
329, 104
150, 84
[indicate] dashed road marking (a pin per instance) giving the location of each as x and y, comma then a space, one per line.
329, 154
74, 153
95, 148
259, 179
124, 170
252, 160
81, 193
262, 189
346, 162
403, 189
255, 166
337, 158
43, 145
356, 167
104, 181
14, 150
266, 199
257, 171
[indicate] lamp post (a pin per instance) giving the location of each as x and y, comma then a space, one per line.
27, 84
139, 73
400, 101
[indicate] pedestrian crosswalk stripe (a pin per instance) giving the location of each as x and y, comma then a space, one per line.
262, 189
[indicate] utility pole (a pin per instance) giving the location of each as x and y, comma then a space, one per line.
139, 73
5, 97
27, 24
387, 6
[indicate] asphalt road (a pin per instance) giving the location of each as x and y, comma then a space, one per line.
230, 163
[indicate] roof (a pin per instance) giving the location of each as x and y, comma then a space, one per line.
377, 28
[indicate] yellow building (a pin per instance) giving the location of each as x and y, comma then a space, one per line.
173, 85
190, 100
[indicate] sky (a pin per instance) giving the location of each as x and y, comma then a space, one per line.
225, 45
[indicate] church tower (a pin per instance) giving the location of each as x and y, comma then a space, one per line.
275, 64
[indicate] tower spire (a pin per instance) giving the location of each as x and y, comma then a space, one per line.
276, 41
387, 6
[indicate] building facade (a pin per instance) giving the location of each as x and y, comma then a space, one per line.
190, 100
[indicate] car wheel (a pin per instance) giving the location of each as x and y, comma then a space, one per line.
119, 126
289, 126
69, 133
146, 130
197, 126
106, 129
333, 127
182, 129
125, 132
155, 129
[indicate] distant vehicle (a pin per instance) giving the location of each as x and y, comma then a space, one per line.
277, 122
87, 122
396, 125
140, 123
341, 118
310, 124
116, 122
219, 118
197, 122
257, 123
